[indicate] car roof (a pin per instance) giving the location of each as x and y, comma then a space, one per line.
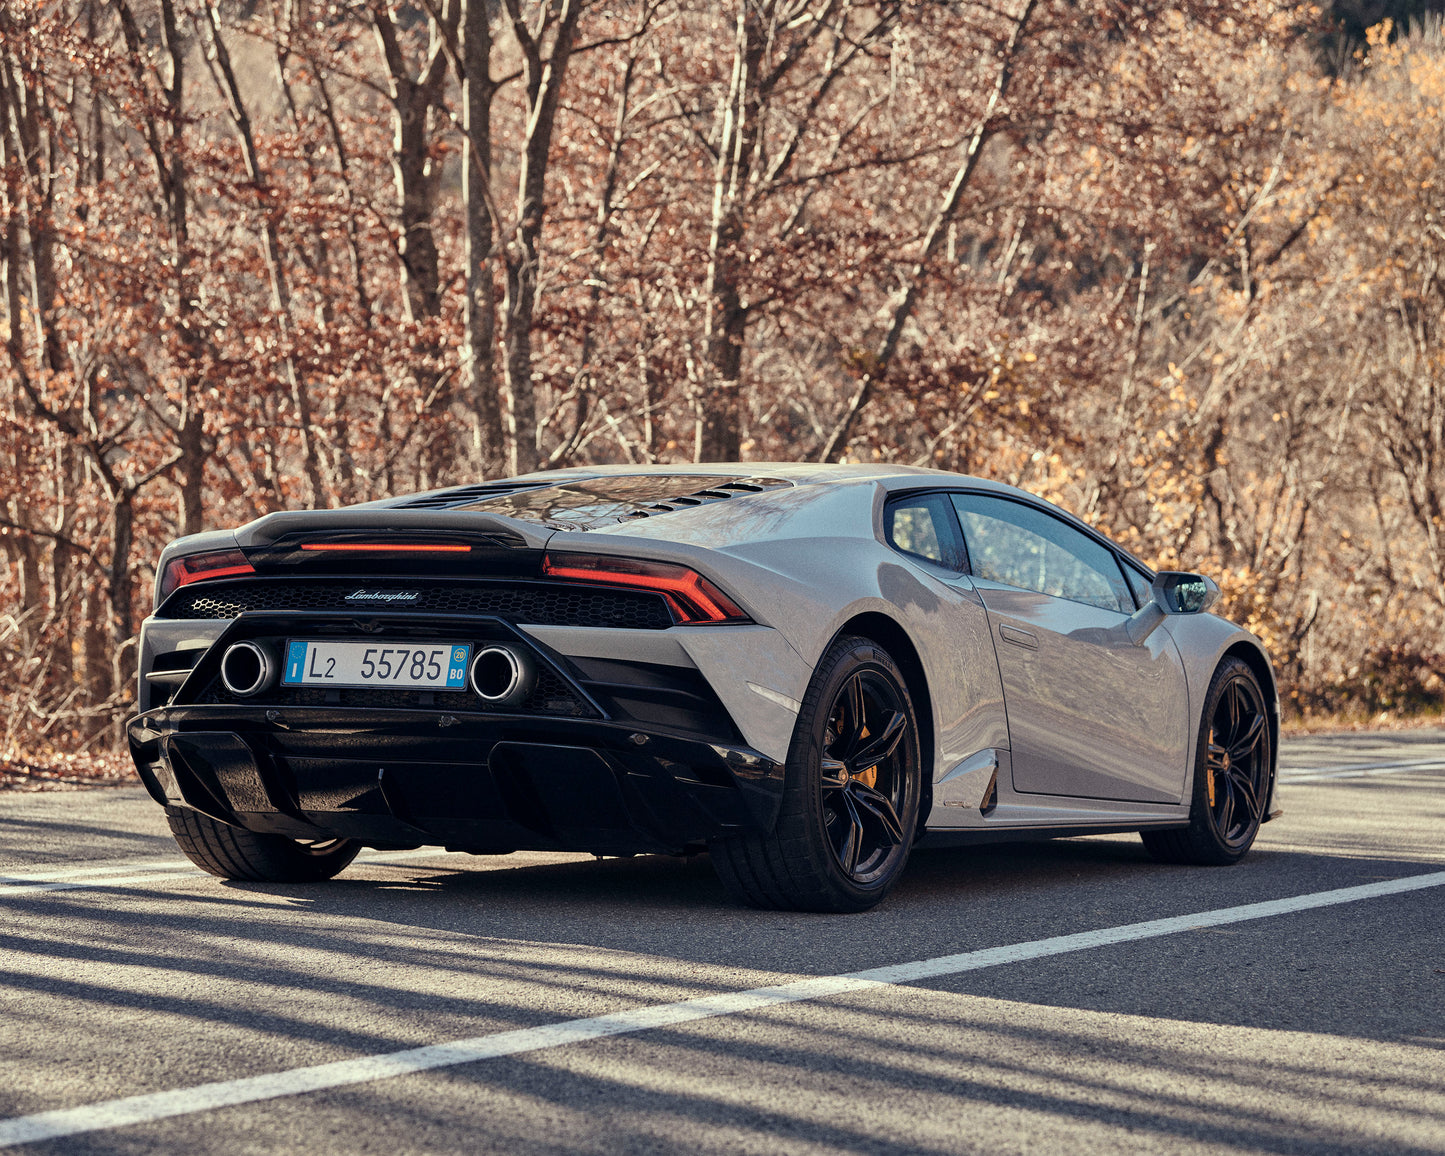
893, 477
589, 497
800, 473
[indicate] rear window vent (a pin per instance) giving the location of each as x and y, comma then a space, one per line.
589, 503
464, 495
705, 497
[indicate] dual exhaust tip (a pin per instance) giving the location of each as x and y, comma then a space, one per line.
247, 669
500, 675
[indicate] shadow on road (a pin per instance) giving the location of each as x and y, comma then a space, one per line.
1125, 1036
1319, 1031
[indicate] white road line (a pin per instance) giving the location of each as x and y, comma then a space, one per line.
150, 871
1357, 770
252, 1089
121, 867
14, 889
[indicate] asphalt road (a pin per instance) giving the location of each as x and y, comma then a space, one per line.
625, 1006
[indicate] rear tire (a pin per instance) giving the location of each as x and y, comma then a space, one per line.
1233, 763
850, 798
233, 853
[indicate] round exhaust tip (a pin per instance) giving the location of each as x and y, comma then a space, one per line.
246, 669
501, 675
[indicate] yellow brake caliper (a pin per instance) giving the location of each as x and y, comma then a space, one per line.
868, 778
1209, 771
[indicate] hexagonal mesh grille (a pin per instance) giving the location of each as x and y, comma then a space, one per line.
538, 603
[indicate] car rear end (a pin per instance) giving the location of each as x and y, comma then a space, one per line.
396, 675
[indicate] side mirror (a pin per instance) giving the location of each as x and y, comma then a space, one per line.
1180, 592
1173, 592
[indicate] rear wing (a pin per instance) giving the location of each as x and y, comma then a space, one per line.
385, 522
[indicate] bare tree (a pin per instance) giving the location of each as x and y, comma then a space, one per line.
546, 36
907, 297
479, 373
416, 97
220, 60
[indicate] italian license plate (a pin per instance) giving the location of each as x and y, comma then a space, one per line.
430, 666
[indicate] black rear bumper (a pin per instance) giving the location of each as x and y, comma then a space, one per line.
483, 782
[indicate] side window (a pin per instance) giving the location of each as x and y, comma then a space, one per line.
922, 525
1020, 545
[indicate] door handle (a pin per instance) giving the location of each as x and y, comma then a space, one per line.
1018, 637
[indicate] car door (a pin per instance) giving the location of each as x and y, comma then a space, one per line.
940, 607
1090, 713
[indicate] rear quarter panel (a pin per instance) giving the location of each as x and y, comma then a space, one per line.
808, 561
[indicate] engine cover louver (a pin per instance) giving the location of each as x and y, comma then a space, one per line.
588, 503
716, 493
465, 495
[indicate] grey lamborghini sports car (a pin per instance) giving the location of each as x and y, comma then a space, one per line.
803, 669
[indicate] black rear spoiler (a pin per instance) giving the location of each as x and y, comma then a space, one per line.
385, 522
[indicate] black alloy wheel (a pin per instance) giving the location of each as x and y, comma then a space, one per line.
851, 796
862, 778
1237, 763
1233, 766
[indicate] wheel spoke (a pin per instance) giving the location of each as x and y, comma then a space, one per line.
853, 839
834, 774
1244, 746
1241, 783
1232, 700
879, 746
851, 726
836, 826
1226, 807
875, 806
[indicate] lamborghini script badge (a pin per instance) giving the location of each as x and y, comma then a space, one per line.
384, 596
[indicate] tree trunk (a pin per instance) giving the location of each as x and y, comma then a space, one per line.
191, 442
412, 104
63, 660
479, 370
725, 323
544, 76
122, 588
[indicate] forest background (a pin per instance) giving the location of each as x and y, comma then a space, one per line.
1177, 266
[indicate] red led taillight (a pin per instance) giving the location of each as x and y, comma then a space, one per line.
692, 597
387, 547
199, 567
